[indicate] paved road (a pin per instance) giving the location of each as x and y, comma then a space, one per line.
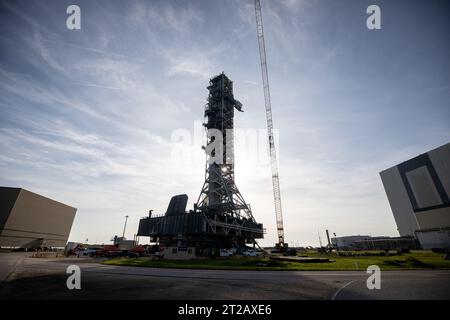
8, 262
34, 278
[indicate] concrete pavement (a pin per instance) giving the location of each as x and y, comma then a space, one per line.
38, 278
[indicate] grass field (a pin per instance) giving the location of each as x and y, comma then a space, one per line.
409, 261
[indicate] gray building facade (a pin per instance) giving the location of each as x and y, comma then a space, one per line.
418, 191
29, 220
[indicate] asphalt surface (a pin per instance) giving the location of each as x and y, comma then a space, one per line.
23, 277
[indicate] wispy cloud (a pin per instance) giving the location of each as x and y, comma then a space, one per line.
197, 65
94, 50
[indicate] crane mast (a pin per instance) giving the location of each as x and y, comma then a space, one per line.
272, 150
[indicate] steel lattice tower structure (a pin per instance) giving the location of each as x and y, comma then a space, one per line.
220, 199
221, 218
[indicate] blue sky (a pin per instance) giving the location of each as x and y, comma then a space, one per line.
91, 117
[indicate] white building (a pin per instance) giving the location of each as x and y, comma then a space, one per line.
347, 241
418, 191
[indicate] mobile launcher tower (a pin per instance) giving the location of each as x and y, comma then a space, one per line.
221, 218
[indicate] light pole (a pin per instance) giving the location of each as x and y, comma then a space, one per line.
335, 237
125, 226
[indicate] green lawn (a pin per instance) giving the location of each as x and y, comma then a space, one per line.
413, 260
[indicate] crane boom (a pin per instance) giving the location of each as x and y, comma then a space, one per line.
273, 153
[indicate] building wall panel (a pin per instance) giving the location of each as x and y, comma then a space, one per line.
35, 218
399, 202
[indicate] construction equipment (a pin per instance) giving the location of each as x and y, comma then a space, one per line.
330, 247
281, 246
